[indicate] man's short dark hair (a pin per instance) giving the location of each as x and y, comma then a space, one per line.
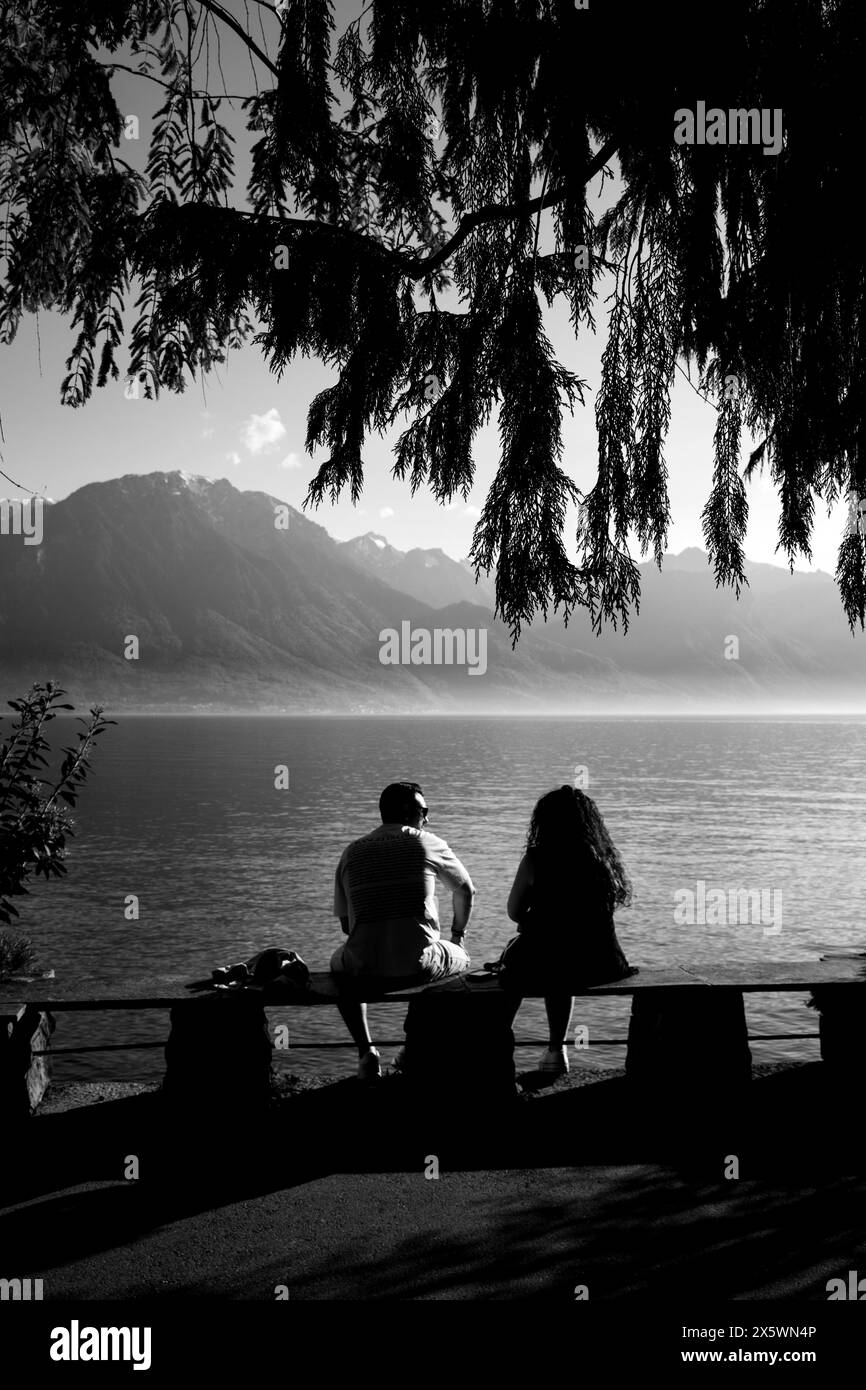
396, 800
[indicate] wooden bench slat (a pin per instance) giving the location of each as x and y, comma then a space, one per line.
756, 976
82, 992
78, 992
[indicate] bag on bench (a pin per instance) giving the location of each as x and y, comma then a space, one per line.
264, 968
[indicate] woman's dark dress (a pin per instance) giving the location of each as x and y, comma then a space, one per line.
567, 940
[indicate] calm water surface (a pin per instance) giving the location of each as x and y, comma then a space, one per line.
183, 813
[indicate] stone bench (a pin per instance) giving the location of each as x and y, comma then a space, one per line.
687, 1025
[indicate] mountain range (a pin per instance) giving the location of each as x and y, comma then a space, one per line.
239, 602
428, 575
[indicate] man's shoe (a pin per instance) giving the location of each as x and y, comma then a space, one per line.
369, 1066
554, 1062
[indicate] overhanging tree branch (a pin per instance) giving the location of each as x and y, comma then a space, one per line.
369, 216
219, 13
167, 86
411, 266
505, 213
199, 92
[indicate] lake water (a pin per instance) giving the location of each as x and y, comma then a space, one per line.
183, 812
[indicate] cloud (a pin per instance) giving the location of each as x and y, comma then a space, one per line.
472, 511
263, 432
234, 459
385, 512
291, 461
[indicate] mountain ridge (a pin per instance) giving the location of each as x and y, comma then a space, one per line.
230, 612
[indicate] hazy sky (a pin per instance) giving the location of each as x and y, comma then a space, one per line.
243, 424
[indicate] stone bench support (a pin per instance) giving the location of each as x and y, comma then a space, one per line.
218, 1054
691, 1041
24, 1076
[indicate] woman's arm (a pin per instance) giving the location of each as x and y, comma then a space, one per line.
518, 898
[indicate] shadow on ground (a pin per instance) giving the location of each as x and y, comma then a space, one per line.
741, 1195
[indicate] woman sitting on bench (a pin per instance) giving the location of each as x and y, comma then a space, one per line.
567, 886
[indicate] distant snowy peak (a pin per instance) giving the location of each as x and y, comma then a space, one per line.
428, 575
176, 480
199, 485
245, 514
371, 539
196, 482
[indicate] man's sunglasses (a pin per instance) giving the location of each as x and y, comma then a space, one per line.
424, 810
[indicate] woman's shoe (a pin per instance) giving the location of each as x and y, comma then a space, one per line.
554, 1062
369, 1066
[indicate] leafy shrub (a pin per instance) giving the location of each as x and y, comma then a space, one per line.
34, 818
17, 956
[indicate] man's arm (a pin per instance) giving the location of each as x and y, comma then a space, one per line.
341, 906
448, 867
462, 898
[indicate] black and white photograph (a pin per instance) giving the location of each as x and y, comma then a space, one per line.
432, 676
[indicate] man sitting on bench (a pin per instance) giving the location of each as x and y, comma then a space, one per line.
385, 898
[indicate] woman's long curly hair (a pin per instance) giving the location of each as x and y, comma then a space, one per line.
567, 829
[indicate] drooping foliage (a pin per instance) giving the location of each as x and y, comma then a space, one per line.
423, 186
